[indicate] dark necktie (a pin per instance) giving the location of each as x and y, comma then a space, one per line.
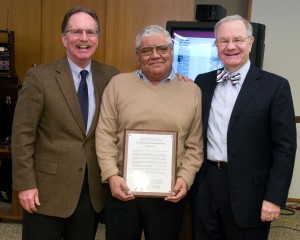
83, 97
223, 75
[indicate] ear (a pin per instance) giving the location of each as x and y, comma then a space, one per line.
64, 40
251, 43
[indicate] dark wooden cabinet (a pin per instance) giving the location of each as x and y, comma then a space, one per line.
8, 99
8, 82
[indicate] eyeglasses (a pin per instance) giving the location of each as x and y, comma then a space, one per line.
148, 51
237, 41
90, 33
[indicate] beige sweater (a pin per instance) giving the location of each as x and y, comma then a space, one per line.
130, 103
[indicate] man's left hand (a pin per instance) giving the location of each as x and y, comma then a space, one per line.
179, 191
269, 211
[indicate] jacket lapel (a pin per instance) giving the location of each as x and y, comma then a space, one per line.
65, 80
99, 85
96, 75
249, 88
207, 96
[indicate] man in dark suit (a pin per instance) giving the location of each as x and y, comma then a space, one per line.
249, 134
55, 166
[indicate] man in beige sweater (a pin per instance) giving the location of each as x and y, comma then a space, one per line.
152, 98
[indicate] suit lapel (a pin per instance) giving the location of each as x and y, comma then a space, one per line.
96, 75
207, 104
65, 80
250, 86
99, 85
207, 95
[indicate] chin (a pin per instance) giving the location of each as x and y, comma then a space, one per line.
84, 56
233, 62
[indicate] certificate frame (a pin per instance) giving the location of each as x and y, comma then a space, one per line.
150, 159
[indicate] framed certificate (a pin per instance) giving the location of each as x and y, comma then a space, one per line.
150, 162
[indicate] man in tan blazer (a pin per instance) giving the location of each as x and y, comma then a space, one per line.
55, 167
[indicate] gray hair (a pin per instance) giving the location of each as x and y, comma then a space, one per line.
234, 18
150, 31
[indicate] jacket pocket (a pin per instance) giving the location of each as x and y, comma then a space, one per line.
46, 167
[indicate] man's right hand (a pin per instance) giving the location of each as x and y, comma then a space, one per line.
119, 188
29, 200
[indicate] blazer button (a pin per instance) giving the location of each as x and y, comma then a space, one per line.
80, 169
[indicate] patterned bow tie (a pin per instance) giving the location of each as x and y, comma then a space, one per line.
223, 75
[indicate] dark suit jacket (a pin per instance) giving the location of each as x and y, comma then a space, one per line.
261, 142
50, 150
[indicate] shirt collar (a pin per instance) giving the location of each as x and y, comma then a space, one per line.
172, 75
76, 70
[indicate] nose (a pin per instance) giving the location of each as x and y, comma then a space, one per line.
231, 44
155, 53
84, 35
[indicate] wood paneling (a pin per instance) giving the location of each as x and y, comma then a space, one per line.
249, 10
53, 12
24, 18
127, 17
37, 27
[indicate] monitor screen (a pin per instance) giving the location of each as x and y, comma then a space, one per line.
194, 48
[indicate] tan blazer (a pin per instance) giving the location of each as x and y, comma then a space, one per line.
49, 148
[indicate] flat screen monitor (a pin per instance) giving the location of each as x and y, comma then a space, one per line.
194, 47
195, 51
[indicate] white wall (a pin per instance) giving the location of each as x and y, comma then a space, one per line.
282, 53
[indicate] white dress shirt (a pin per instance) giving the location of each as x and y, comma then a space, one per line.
89, 80
222, 105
